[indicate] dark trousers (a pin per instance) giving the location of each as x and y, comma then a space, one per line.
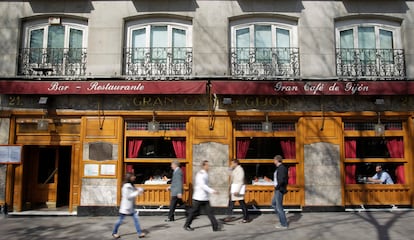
173, 205
243, 207
195, 209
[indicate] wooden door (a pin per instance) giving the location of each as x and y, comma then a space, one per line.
44, 176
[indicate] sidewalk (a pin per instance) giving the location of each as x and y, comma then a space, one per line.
386, 225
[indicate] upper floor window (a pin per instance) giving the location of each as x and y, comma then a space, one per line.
160, 48
370, 49
264, 49
54, 46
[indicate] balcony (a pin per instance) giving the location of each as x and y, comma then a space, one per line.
265, 63
52, 62
370, 63
158, 62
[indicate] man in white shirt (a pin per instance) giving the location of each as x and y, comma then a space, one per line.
201, 198
381, 177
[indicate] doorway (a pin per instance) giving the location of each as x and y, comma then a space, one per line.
47, 177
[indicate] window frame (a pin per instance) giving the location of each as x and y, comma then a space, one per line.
169, 23
44, 24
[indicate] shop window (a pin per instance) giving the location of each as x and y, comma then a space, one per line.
370, 151
359, 172
153, 173
265, 148
262, 173
375, 147
156, 147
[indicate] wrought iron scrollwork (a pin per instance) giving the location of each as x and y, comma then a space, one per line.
265, 62
144, 62
377, 63
52, 61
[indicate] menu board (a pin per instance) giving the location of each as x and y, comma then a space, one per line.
10, 154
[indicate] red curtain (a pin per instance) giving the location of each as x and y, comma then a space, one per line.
179, 148
350, 148
133, 147
399, 174
288, 148
242, 147
350, 168
289, 152
292, 175
395, 147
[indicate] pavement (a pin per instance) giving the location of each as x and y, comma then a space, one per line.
382, 225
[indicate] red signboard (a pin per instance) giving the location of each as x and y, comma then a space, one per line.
313, 87
218, 87
102, 87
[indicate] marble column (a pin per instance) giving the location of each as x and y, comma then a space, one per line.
4, 139
218, 156
322, 174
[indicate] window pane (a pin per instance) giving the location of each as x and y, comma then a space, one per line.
263, 148
263, 43
283, 44
346, 43
156, 147
243, 44
385, 39
365, 170
386, 45
179, 44
366, 37
138, 45
366, 40
159, 42
75, 45
347, 39
55, 44
146, 172
36, 46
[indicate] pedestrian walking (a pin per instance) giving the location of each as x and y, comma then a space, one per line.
176, 189
280, 180
237, 191
201, 198
127, 207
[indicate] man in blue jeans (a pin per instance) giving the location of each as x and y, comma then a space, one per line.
280, 180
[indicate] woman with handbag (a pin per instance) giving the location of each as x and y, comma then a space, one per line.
129, 194
237, 191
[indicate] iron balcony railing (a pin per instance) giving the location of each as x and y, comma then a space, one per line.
376, 63
265, 62
52, 61
158, 61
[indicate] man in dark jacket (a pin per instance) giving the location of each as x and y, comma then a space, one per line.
280, 180
176, 189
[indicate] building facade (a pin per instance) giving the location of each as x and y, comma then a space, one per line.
93, 89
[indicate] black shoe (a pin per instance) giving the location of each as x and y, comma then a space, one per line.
188, 228
169, 220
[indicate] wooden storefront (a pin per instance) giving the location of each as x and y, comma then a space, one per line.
104, 143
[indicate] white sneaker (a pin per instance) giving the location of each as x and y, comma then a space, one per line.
278, 226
